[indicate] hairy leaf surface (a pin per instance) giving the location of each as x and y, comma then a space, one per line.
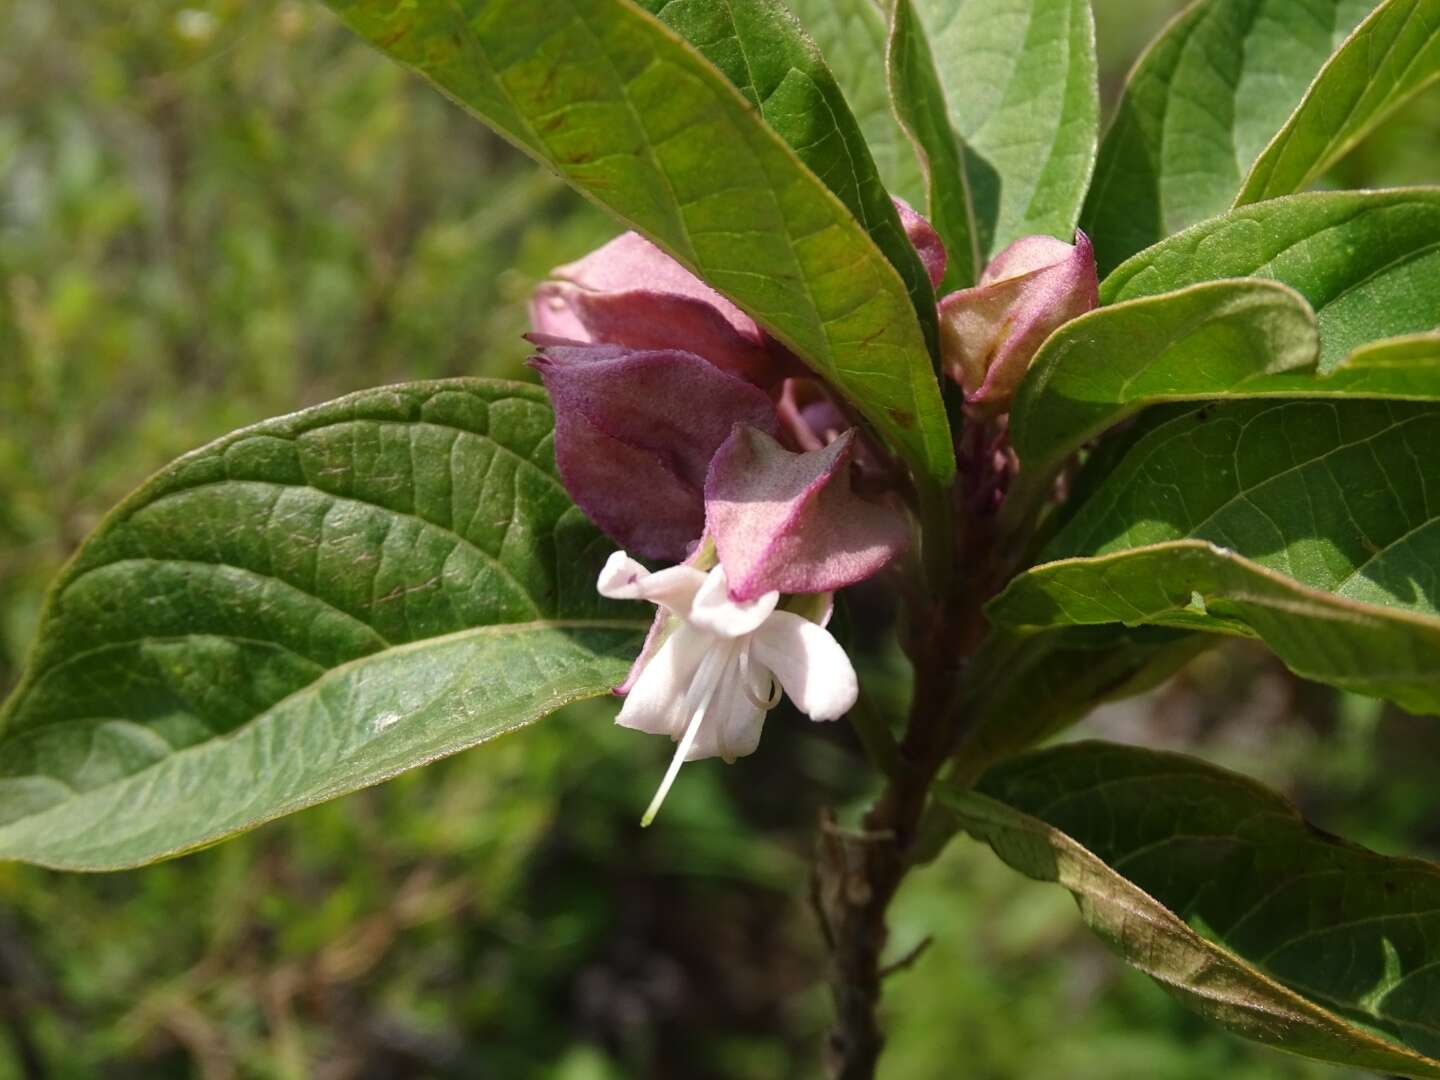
765, 52
634, 117
1199, 108
1385, 652
1219, 890
851, 36
1366, 261
1391, 57
1017, 81
300, 609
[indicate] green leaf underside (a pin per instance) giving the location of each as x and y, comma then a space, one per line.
919, 100
1190, 584
1366, 261
300, 609
764, 51
1392, 56
1018, 79
635, 118
1206, 341
1219, 890
851, 36
1199, 108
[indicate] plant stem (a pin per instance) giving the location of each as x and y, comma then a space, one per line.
858, 872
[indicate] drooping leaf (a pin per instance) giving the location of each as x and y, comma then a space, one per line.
1219, 890
1366, 261
1392, 56
1204, 341
920, 105
764, 51
634, 117
1194, 585
1017, 81
1198, 109
300, 609
851, 36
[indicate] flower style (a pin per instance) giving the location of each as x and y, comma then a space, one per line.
708, 677
990, 333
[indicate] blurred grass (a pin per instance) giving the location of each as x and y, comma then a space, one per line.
214, 213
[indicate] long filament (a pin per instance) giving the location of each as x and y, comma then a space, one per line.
707, 680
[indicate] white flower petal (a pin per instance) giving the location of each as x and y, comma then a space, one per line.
656, 702
674, 587
732, 724
714, 611
810, 664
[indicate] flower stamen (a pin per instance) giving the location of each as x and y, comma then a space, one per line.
707, 681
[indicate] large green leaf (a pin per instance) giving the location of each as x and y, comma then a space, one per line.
1198, 109
920, 105
1017, 80
1194, 585
765, 52
1334, 495
1391, 57
634, 117
1219, 890
1205, 341
300, 609
1082, 381
1366, 261
851, 36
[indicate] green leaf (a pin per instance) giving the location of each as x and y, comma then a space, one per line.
1216, 888
1017, 81
851, 36
1205, 341
1193, 585
635, 118
1332, 494
1201, 104
920, 105
764, 51
1392, 56
303, 608
1366, 261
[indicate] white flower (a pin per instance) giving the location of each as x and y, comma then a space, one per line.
709, 681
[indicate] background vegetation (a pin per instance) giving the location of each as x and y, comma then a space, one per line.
214, 213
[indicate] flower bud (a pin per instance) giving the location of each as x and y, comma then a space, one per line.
990, 333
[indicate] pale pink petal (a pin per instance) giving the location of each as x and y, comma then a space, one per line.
989, 334
790, 522
810, 664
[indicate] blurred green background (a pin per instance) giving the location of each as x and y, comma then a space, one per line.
211, 213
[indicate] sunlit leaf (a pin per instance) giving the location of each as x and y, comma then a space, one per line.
1198, 109
1017, 82
634, 117
300, 609
1392, 56
1366, 261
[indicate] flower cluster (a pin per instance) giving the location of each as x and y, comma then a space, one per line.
694, 438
